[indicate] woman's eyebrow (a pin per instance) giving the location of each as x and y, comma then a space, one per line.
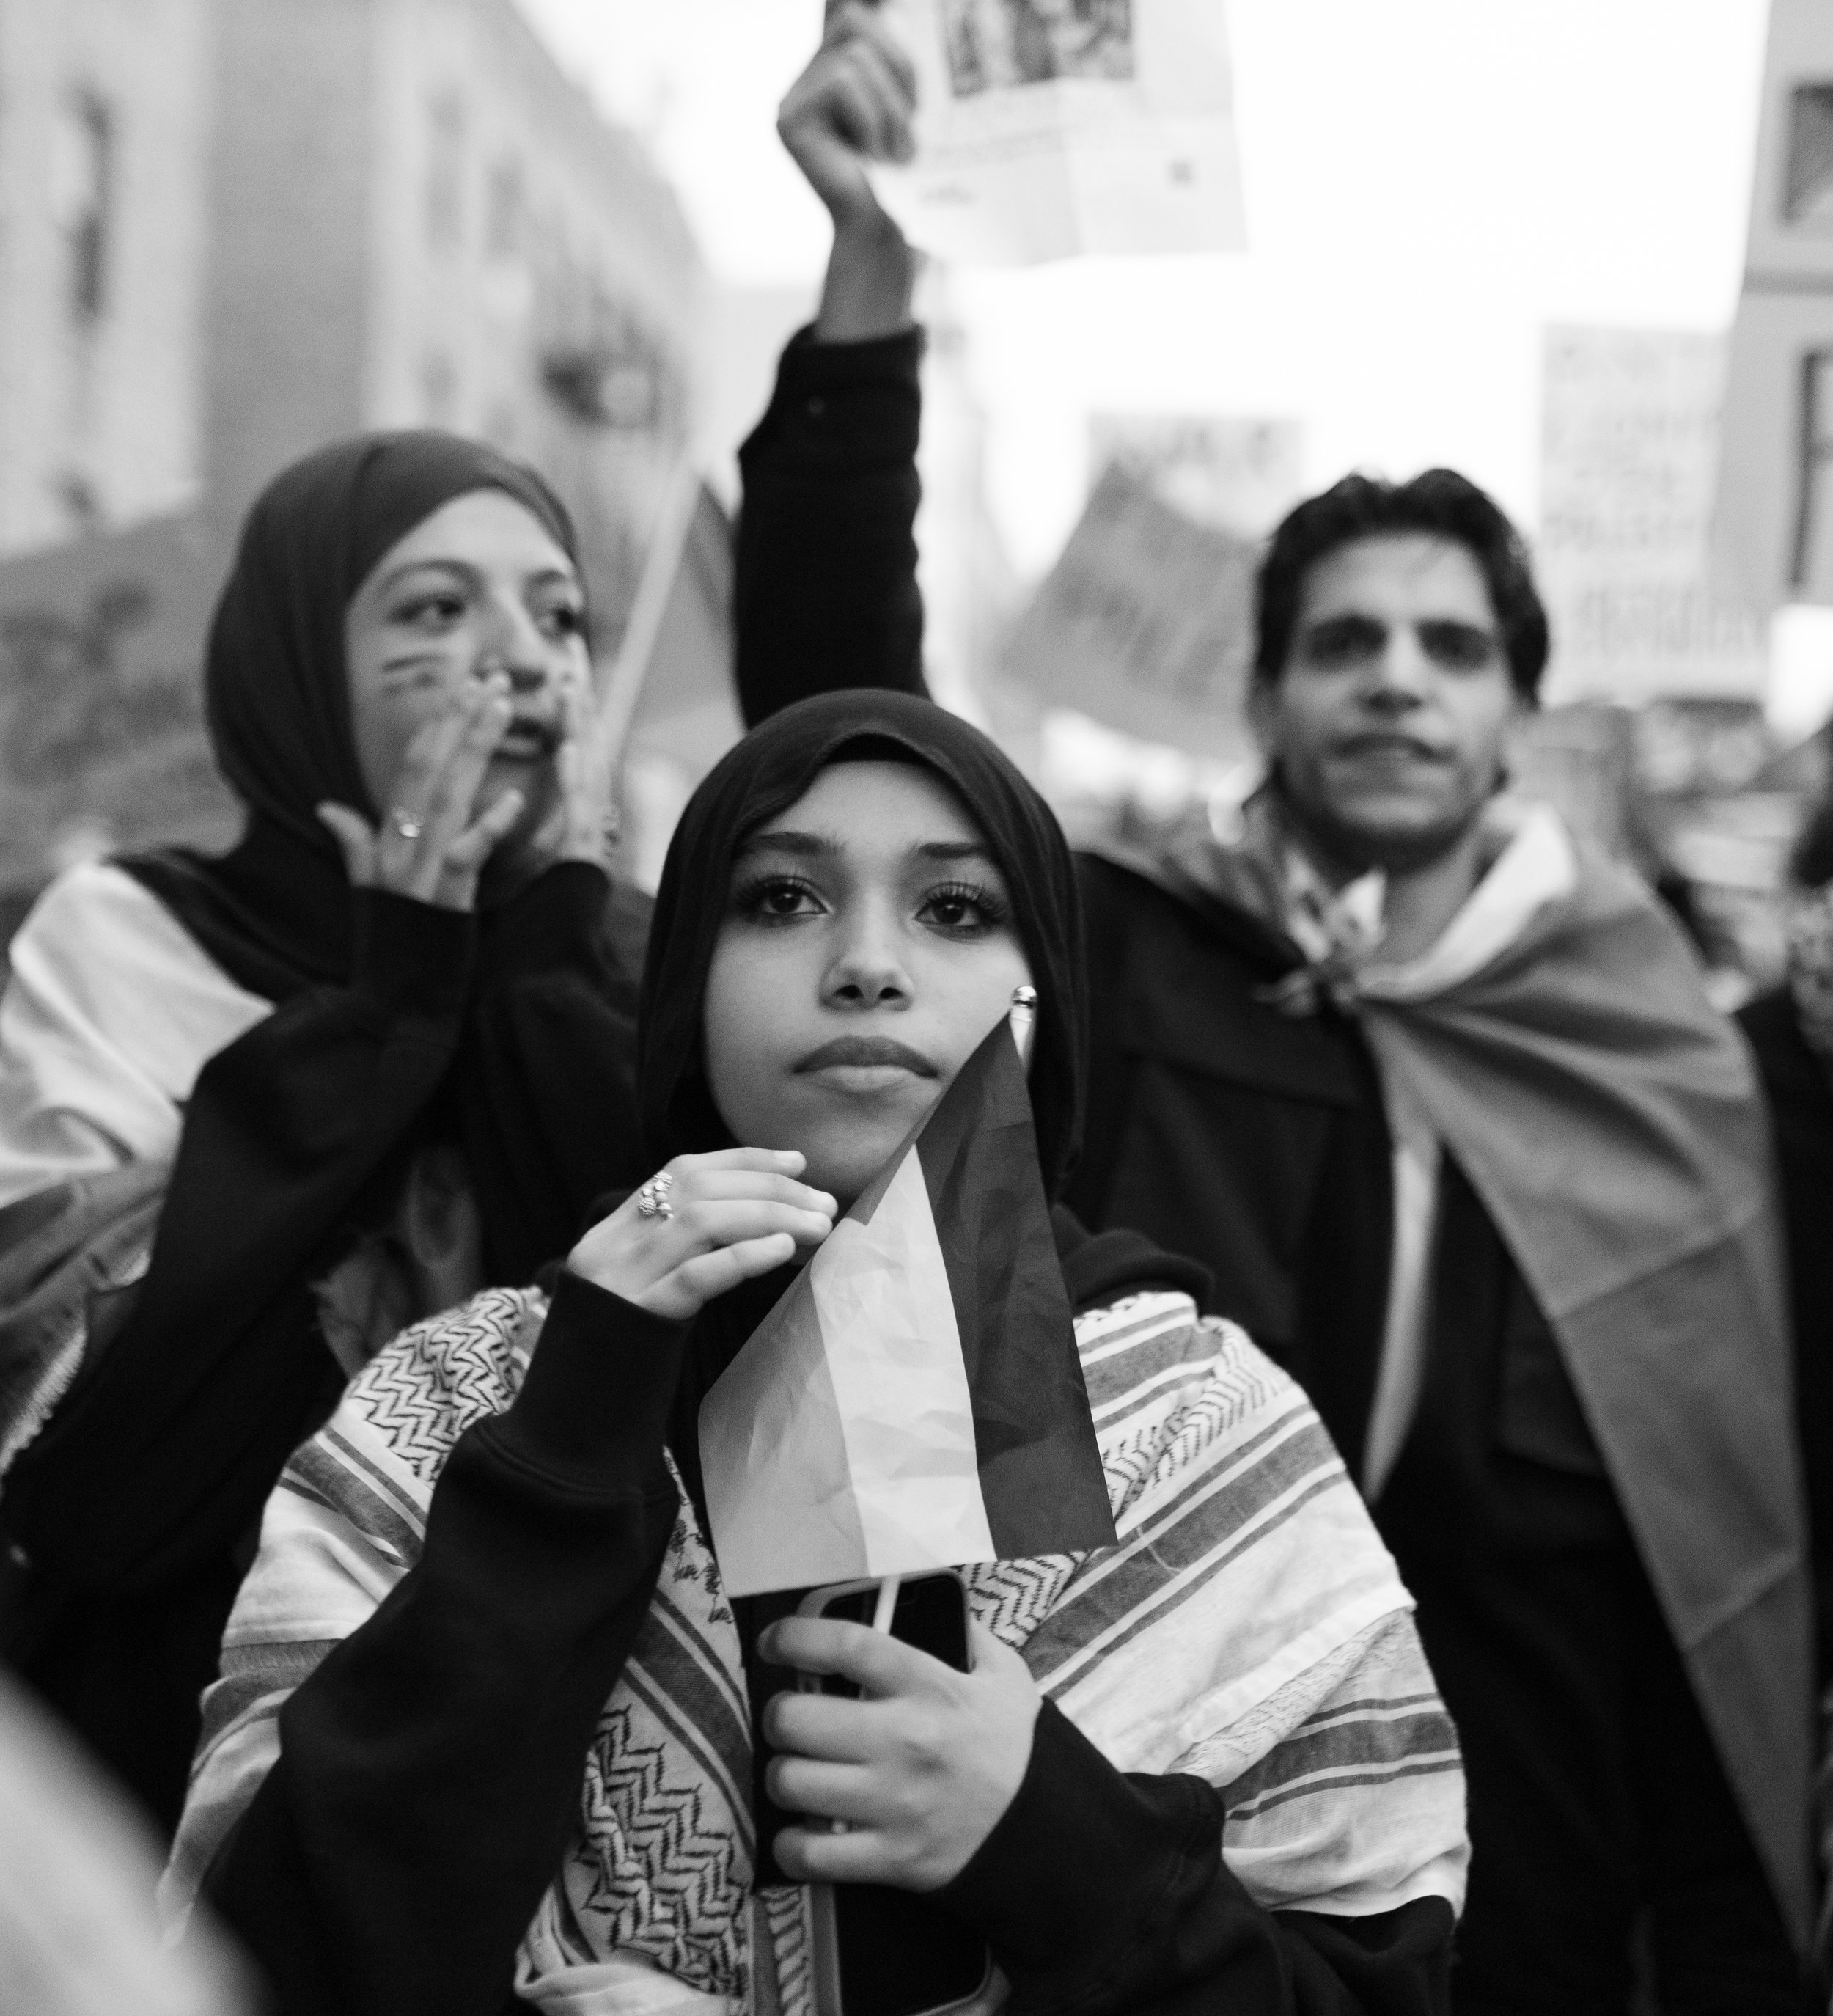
396, 574
954, 850
783, 840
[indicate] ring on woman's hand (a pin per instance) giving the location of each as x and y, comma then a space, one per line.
410, 826
652, 1198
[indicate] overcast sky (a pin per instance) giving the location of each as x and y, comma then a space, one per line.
1429, 183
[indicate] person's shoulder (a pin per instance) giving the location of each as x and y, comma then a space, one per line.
90, 906
418, 1394
99, 931
1135, 905
1149, 1355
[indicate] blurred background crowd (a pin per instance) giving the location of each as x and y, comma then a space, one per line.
234, 232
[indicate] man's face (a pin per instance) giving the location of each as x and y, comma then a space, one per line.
1388, 719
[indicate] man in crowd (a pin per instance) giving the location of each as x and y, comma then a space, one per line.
1436, 1095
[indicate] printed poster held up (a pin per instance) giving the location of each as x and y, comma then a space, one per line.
1046, 128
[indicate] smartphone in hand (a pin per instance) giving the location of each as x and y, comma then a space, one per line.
878, 1951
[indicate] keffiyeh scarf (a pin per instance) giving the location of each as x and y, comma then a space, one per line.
1249, 1628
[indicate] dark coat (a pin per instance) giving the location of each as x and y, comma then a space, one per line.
1800, 1092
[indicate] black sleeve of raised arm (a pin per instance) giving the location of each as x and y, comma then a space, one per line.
825, 593
167, 1445
1106, 1895
548, 1078
429, 1768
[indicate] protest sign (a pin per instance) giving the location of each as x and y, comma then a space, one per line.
1242, 474
101, 697
1773, 526
1146, 623
1049, 128
1629, 434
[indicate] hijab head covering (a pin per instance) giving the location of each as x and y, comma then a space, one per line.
274, 913
763, 775
276, 685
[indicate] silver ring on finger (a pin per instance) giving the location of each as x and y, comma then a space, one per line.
410, 826
652, 1198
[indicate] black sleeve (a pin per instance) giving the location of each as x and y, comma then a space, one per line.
547, 1082
1106, 1895
825, 592
166, 1447
429, 1768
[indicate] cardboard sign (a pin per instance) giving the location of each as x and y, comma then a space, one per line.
1049, 128
1629, 440
101, 697
1145, 622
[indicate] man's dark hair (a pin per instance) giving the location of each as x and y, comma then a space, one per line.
1438, 501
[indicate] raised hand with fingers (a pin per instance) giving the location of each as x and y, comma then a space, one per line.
854, 104
433, 841
920, 1769
701, 1225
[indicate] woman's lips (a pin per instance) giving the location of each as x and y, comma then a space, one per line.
864, 1063
528, 742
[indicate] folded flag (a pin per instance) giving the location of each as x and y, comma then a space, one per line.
914, 1401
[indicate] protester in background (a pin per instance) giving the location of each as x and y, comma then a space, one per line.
257, 1112
1438, 1096
485, 1727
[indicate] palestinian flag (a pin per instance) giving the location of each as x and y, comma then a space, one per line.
914, 1401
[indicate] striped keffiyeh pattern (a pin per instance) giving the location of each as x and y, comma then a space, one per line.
1249, 1628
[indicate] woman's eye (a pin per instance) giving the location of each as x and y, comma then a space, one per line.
776, 898
964, 910
431, 612
563, 620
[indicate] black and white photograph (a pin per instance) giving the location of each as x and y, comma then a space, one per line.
916, 1008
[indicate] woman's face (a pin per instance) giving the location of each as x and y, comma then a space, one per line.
867, 949
480, 586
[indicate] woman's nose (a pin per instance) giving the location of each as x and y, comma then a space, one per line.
867, 972
509, 642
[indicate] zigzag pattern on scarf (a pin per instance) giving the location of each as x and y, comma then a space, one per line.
662, 1879
445, 1374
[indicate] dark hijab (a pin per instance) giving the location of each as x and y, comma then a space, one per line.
274, 913
765, 775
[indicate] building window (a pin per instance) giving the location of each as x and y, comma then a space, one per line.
445, 172
502, 233
1813, 518
82, 175
1807, 197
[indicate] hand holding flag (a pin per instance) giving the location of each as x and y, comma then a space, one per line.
914, 1401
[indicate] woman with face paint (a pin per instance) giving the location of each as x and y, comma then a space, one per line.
258, 1112
490, 1731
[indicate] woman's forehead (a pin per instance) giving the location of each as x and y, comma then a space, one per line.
872, 805
485, 529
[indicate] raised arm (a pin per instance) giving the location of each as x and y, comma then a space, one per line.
826, 592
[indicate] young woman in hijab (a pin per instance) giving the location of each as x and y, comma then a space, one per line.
257, 1112
485, 1738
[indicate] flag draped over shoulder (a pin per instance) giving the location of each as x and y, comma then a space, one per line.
915, 1400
